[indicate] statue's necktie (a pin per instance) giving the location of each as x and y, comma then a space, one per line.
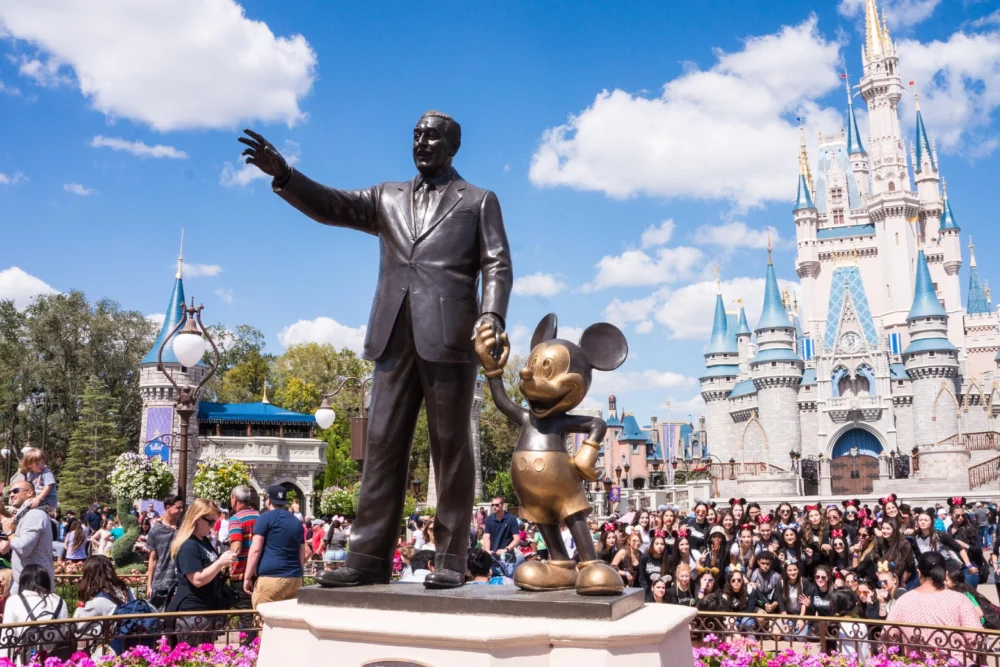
423, 204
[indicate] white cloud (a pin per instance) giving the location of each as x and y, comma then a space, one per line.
623, 312
735, 235
519, 336
45, 74
634, 268
323, 330
659, 235
538, 284
77, 189
225, 294
899, 13
21, 288
172, 65
644, 327
14, 179
959, 84
605, 383
723, 133
687, 312
200, 270
245, 174
680, 409
138, 148
988, 20
157, 318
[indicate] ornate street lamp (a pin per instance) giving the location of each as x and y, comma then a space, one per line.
189, 347
607, 484
416, 486
618, 473
627, 468
325, 415
673, 463
5, 452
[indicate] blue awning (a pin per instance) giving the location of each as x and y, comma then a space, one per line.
251, 413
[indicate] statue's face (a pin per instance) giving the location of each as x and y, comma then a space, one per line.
432, 149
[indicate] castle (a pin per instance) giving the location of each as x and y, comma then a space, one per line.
878, 373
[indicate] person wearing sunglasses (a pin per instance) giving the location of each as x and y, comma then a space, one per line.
27, 535
199, 567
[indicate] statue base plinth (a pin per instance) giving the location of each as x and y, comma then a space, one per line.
405, 625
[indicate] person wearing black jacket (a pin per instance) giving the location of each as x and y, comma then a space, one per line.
819, 602
698, 527
653, 563
766, 586
681, 593
797, 596
926, 539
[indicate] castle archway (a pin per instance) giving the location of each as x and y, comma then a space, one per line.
854, 462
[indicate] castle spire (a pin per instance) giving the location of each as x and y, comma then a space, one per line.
924, 152
742, 326
874, 31
925, 301
854, 144
979, 302
180, 259
773, 315
721, 342
803, 198
804, 159
947, 218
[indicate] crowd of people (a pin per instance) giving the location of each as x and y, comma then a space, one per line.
885, 561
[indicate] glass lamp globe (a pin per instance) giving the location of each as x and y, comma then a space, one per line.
325, 415
5, 452
189, 347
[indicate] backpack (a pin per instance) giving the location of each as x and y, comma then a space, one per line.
53, 641
133, 632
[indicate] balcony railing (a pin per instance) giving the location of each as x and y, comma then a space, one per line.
775, 633
973, 442
985, 473
733, 470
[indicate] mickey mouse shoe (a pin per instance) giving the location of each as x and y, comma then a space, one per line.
546, 575
598, 578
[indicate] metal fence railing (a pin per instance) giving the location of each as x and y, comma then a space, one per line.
102, 635
850, 635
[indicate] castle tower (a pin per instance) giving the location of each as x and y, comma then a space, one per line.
891, 203
777, 372
160, 423
855, 149
743, 334
926, 177
721, 371
931, 362
979, 301
807, 264
981, 325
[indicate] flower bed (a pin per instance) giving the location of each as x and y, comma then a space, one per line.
740, 651
163, 655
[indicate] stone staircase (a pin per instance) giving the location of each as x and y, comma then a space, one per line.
984, 455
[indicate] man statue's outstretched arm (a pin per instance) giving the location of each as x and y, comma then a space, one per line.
494, 263
354, 209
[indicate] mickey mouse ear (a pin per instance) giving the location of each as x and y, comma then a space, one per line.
546, 330
605, 346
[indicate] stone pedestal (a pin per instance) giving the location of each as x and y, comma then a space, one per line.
474, 626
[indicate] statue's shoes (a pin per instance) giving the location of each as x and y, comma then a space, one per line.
546, 575
598, 578
443, 578
345, 577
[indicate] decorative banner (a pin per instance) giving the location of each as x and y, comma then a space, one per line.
159, 426
615, 494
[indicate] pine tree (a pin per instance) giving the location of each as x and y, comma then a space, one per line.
93, 447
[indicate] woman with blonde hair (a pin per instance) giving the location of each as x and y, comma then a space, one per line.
199, 568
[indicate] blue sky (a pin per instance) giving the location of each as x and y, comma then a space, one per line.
632, 147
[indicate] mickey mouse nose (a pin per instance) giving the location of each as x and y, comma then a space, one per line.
526, 373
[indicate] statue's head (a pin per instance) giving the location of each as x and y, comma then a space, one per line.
436, 139
558, 373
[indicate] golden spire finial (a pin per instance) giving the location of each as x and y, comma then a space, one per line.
769, 246
986, 290
264, 400
718, 282
916, 98
972, 253
804, 160
180, 257
944, 189
874, 32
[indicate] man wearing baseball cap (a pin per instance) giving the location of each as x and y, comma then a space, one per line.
277, 553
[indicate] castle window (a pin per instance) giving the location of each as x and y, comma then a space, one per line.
897, 238
930, 354
838, 216
773, 364
899, 383
892, 186
836, 195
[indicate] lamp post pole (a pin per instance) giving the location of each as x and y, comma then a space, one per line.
189, 346
325, 415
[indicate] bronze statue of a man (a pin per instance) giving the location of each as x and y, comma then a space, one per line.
437, 235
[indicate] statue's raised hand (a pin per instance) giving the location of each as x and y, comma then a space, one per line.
263, 155
486, 341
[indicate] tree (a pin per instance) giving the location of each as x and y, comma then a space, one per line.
244, 382
240, 350
298, 395
93, 448
497, 434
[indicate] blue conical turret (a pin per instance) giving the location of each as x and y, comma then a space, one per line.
923, 144
854, 145
803, 200
173, 316
947, 218
743, 327
773, 315
721, 342
925, 301
978, 303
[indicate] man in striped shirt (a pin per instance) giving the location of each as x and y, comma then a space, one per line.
240, 537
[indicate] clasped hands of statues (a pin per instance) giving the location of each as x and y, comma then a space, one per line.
262, 154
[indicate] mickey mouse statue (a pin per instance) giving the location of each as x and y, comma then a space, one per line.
548, 482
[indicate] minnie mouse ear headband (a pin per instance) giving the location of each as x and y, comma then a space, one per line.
763, 518
609, 527
957, 501
835, 533
891, 498
738, 501
810, 508
855, 503
747, 526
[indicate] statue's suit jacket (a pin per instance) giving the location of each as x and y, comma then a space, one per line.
437, 269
